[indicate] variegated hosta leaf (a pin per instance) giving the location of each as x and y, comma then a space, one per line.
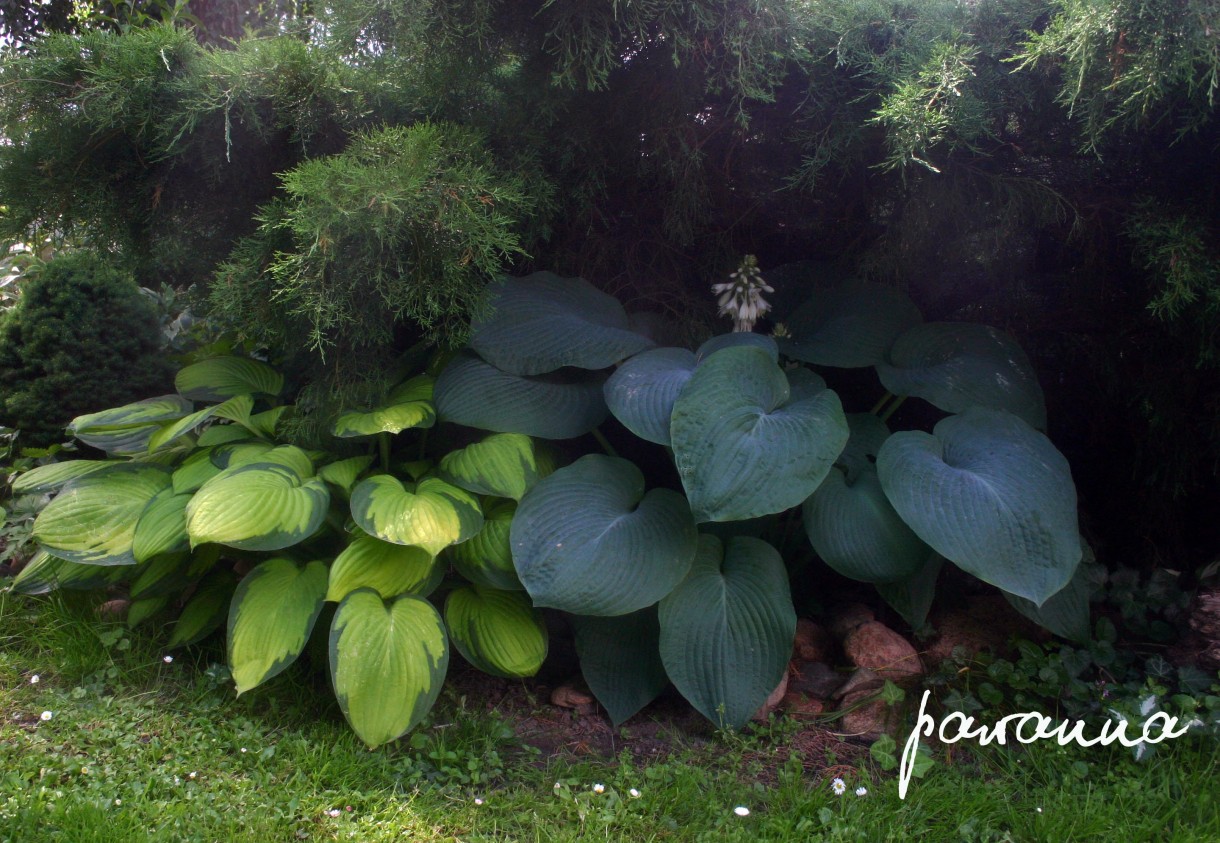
166, 574
162, 526
726, 631
409, 405
266, 422
262, 506
234, 454
126, 430
46, 573
343, 473
389, 569
218, 378
487, 558
289, 456
498, 632
541, 323
431, 515
990, 494
270, 618
236, 409
223, 434
93, 520
387, 662
194, 471
53, 476
205, 611
589, 540
141, 610
503, 465
621, 660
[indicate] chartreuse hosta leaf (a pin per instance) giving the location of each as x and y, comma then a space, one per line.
727, 629
236, 409
620, 659
266, 422
850, 324
218, 378
93, 520
487, 558
409, 405
162, 526
262, 506
542, 323
126, 430
387, 662
195, 470
289, 456
477, 394
431, 514
503, 464
990, 494
222, 434
343, 473
589, 540
53, 476
270, 618
389, 569
957, 365
205, 611
45, 573
745, 444
498, 632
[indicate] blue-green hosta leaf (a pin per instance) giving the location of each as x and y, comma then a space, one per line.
261, 506
53, 476
477, 394
854, 528
45, 573
727, 629
1066, 612
737, 339
270, 617
542, 323
218, 378
93, 520
387, 663
205, 611
849, 325
166, 574
223, 434
912, 598
621, 660
957, 365
589, 540
432, 515
990, 494
162, 526
389, 569
503, 464
236, 409
409, 405
343, 473
742, 447
487, 558
867, 434
194, 471
641, 392
126, 430
498, 632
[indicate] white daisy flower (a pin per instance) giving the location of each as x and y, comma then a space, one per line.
838, 787
167, 659
599, 788
35, 679
478, 800
741, 811
635, 794
862, 791
46, 715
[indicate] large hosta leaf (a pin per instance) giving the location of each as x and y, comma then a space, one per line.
126, 430
727, 630
621, 660
957, 365
218, 378
409, 405
850, 324
990, 494
737, 339
431, 514
387, 663
54, 476
641, 393
261, 506
343, 473
93, 520
498, 632
236, 409
270, 618
742, 447
205, 611
477, 394
194, 471
161, 575
1066, 612
503, 464
589, 540
542, 322
389, 569
45, 573
912, 597
487, 559
162, 526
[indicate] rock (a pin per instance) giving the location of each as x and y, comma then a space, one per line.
813, 643
862, 681
987, 623
877, 647
797, 704
1201, 644
814, 679
847, 617
772, 701
868, 720
113, 610
569, 696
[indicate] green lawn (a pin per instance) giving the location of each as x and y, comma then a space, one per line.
139, 749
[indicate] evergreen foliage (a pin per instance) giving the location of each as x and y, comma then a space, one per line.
81, 338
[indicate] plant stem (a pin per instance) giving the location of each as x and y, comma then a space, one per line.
601, 440
877, 407
893, 408
383, 442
